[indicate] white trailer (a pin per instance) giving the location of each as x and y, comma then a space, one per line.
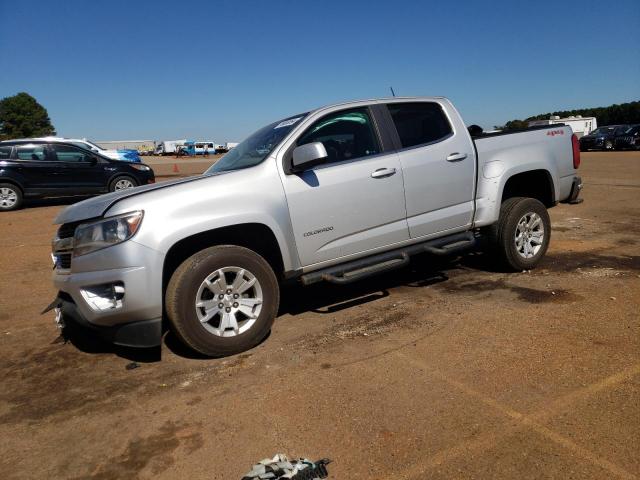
229, 145
580, 125
169, 147
208, 145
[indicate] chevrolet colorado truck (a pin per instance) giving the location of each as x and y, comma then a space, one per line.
335, 195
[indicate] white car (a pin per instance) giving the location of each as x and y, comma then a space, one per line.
122, 155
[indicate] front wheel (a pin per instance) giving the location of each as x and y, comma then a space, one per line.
521, 236
608, 145
222, 300
122, 182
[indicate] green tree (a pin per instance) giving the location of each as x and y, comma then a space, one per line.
22, 116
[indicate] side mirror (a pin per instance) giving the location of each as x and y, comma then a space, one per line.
308, 155
93, 160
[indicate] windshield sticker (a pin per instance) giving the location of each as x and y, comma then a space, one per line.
286, 123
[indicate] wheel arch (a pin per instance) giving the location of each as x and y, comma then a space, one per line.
536, 184
12, 181
257, 237
534, 180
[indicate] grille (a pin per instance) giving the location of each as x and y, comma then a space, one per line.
63, 260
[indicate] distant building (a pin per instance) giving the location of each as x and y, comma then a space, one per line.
580, 125
140, 145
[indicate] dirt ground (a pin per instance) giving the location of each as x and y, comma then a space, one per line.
439, 371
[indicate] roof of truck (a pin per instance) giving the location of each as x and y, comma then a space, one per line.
376, 100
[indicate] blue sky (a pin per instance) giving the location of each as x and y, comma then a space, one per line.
219, 70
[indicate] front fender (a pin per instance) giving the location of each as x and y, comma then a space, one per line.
253, 195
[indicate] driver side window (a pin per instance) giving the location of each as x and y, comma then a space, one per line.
67, 153
346, 135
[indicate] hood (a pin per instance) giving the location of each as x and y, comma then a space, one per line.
96, 206
122, 155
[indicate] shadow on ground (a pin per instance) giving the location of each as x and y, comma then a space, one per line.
88, 341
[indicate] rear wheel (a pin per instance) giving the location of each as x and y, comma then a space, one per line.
10, 197
521, 236
222, 300
122, 182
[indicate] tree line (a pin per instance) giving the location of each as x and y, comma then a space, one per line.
21, 116
612, 115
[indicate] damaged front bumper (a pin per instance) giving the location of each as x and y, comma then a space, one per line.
115, 291
142, 333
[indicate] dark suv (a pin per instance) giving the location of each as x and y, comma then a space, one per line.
602, 138
629, 138
36, 168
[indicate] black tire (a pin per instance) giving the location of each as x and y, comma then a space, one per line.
11, 197
608, 145
502, 235
182, 292
112, 184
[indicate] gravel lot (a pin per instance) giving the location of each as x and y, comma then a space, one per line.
442, 370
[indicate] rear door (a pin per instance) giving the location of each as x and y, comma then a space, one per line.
438, 162
40, 173
352, 203
81, 169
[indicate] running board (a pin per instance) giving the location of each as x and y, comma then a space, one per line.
366, 267
451, 247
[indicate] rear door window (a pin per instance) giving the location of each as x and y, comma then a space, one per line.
32, 152
419, 123
5, 153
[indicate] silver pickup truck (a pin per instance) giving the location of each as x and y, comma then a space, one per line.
335, 194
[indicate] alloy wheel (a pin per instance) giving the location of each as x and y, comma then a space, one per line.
229, 301
123, 184
529, 235
8, 197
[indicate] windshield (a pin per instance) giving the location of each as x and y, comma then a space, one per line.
257, 147
81, 145
88, 145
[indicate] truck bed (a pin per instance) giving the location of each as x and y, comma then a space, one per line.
502, 155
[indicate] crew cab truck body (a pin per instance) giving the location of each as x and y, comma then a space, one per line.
336, 194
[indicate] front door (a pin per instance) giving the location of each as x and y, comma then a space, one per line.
352, 203
82, 171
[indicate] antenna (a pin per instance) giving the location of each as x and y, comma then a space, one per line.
392, 92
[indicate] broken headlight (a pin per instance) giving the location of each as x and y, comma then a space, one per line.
90, 237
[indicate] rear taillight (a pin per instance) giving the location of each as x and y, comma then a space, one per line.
576, 151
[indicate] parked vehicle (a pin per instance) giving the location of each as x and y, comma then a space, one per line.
628, 138
125, 155
580, 125
169, 147
38, 168
199, 148
602, 138
336, 194
229, 145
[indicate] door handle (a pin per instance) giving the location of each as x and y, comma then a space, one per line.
383, 172
456, 157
